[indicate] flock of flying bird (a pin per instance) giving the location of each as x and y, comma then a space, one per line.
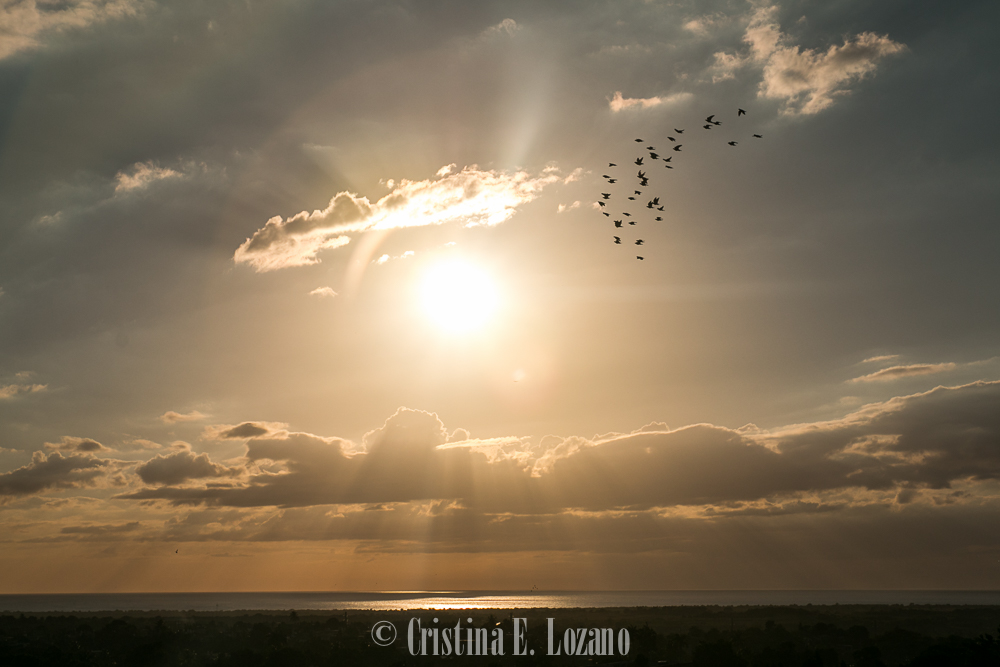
653, 204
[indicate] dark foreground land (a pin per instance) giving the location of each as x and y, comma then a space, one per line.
804, 636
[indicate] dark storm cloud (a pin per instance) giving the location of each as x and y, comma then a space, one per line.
180, 467
55, 471
924, 440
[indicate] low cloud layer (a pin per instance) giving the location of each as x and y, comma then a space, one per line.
924, 441
470, 197
55, 471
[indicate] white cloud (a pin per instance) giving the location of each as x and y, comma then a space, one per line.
140, 175
563, 207
620, 103
323, 292
807, 80
470, 196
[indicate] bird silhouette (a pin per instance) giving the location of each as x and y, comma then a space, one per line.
732, 143
656, 201
638, 161
678, 147
638, 141
758, 136
177, 551
660, 208
631, 222
606, 214
707, 127
650, 148
659, 219
605, 176
612, 164
637, 192
618, 241
649, 204
740, 112
709, 119
678, 131
641, 174
644, 182
668, 159
600, 203
654, 156
618, 223
638, 257
671, 139
629, 215
612, 180
606, 195
668, 166
632, 198
639, 242
716, 122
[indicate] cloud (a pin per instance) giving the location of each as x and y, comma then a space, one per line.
180, 467
74, 444
896, 372
563, 207
930, 440
171, 417
806, 80
620, 103
883, 357
54, 470
11, 390
470, 196
141, 175
26, 24
506, 27
244, 430
325, 292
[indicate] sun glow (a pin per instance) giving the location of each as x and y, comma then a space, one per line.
458, 297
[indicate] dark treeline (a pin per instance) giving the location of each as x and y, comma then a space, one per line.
810, 636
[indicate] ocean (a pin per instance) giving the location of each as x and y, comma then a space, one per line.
403, 600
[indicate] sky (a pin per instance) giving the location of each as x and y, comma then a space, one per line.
320, 295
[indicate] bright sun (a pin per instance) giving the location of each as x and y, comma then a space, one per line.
458, 297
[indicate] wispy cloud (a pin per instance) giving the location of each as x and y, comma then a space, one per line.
470, 196
141, 175
11, 390
881, 357
621, 103
896, 372
171, 417
507, 27
26, 24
